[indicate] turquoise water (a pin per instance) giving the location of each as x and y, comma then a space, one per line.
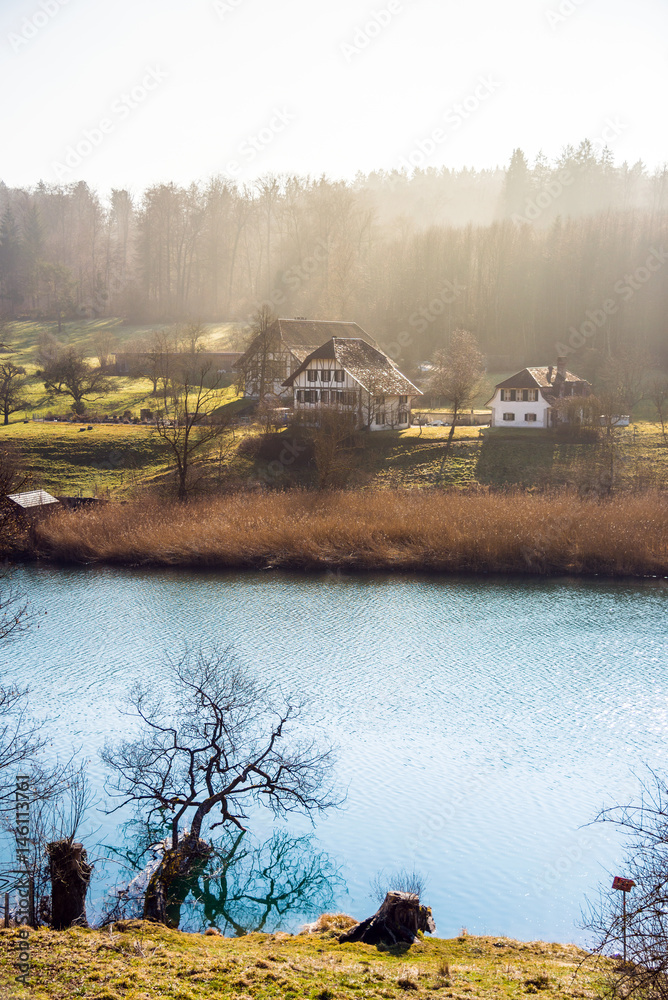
482, 722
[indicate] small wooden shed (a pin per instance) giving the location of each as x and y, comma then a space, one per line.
33, 504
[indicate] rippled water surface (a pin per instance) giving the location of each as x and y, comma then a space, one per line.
481, 722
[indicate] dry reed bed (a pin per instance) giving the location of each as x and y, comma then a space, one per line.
402, 530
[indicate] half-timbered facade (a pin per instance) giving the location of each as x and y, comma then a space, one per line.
351, 375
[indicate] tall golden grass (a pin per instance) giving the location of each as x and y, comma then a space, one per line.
388, 530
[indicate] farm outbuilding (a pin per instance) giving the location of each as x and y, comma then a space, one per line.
34, 502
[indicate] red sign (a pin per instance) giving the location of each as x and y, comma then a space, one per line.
625, 884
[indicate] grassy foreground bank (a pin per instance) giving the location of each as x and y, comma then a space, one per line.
138, 961
384, 530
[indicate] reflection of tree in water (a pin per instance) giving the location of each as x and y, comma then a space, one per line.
255, 887
242, 887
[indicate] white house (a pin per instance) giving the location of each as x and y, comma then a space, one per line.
536, 397
350, 374
274, 355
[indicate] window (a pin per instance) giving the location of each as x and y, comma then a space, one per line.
379, 400
403, 400
508, 395
312, 375
326, 375
350, 398
380, 419
508, 416
310, 395
530, 418
339, 375
533, 395
324, 396
300, 395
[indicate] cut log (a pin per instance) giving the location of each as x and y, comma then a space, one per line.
398, 921
70, 876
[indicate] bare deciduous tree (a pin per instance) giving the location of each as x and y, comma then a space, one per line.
20, 736
13, 380
71, 375
332, 431
645, 824
104, 344
192, 334
456, 377
658, 393
59, 798
212, 743
189, 422
262, 365
622, 384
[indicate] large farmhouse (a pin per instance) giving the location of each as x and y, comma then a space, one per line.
276, 354
536, 397
352, 375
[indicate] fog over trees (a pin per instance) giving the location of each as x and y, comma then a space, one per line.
525, 257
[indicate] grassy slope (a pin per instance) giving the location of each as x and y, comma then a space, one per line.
62, 458
527, 458
132, 394
143, 961
109, 459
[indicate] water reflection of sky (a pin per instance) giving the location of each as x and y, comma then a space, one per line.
481, 722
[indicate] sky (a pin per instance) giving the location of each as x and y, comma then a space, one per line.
137, 92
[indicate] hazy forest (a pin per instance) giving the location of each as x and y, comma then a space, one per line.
520, 256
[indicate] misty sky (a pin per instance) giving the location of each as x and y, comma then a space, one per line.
153, 90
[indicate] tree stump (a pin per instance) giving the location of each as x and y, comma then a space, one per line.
70, 877
398, 921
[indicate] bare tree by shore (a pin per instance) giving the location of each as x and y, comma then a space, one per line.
212, 743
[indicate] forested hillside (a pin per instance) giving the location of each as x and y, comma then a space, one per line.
528, 258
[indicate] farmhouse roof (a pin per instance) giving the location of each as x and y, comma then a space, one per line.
368, 365
543, 377
35, 498
301, 336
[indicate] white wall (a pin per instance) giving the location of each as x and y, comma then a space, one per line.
519, 408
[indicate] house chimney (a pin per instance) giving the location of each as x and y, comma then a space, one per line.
549, 374
561, 367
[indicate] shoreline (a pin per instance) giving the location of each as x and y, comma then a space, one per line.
400, 532
342, 569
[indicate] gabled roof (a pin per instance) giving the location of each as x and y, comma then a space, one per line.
36, 498
369, 366
543, 377
301, 336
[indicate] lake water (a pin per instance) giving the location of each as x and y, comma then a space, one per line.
482, 722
